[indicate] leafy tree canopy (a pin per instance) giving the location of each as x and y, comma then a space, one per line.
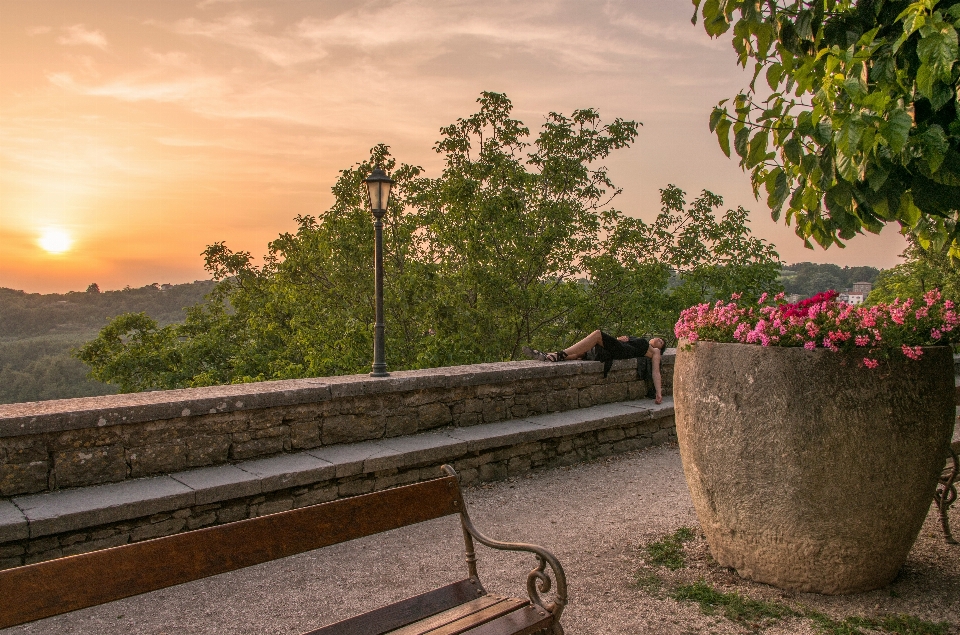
921, 271
861, 126
513, 243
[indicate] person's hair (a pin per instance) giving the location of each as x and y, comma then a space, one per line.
662, 339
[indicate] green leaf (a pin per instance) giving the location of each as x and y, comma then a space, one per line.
774, 73
908, 213
740, 141
715, 117
896, 129
723, 135
792, 150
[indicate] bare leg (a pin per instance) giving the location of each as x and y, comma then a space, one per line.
580, 348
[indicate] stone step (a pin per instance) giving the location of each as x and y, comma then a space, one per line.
35, 516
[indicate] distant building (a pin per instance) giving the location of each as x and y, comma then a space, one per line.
793, 298
852, 298
863, 288
166, 287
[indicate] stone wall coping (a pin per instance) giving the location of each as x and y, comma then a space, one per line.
44, 514
58, 415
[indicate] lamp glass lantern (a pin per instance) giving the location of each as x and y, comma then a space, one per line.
378, 189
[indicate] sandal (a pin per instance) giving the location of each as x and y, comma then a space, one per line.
533, 353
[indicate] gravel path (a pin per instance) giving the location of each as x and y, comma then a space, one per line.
595, 517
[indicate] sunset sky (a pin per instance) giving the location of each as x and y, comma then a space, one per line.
133, 134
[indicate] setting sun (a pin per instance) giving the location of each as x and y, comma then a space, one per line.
55, 240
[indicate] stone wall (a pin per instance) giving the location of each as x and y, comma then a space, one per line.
515, 452
52, 445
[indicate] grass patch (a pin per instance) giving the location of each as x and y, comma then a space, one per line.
735, 607
668, 551
757, 613
899, 624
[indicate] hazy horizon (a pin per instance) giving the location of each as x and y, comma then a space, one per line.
132, 135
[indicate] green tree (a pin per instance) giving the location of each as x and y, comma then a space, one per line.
513, 243
862, 124
921, 271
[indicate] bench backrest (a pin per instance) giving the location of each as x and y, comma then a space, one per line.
49, 588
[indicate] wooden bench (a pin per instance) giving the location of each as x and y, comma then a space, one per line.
36, 591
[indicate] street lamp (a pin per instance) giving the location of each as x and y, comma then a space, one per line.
378, 191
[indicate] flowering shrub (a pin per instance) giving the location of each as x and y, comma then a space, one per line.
824, 322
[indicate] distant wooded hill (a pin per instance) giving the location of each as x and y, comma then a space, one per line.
38, 331
808, 278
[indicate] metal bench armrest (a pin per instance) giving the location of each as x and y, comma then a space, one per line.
538, 580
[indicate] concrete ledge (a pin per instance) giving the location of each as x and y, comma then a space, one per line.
38, 515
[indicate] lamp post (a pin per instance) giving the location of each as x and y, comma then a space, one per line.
378, 190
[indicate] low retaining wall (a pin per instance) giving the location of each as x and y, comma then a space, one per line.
66, 443
83, 474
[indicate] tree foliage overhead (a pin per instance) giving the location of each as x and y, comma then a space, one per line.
513, 243
861, 126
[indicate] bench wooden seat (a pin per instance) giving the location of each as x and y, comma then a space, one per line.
36, 591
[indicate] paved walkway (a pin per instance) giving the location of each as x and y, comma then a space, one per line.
593, 516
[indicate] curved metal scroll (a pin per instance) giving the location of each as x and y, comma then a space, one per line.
538, 580
946, 494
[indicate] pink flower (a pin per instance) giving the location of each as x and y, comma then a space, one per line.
870, 363
862, 340
935, 334
810, 345
735, 296
914, 352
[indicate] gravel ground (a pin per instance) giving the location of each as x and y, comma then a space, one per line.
596, 517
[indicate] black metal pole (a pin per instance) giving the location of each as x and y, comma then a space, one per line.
379, 364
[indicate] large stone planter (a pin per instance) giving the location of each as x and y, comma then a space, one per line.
807, 471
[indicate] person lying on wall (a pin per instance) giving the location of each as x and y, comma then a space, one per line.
600, 346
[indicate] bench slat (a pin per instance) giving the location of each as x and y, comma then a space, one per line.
58, 586
431, 623
526, 621
469, 622
411, 610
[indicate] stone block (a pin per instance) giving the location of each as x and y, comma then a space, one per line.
316, 496
496, 410
156, 459
10, 551
496, 471
96, 545
433, 415
78, 509
492, 435
351, 428
468, 419
156, 530
43, 544
53, 554
304, 434
201, 520
89, 466
289, 470
219, 483
272, 507
270, 432
400, 425
10, 563
355, 487
207, 449
24, 478
349, 458
432, 447
232, 513
518, 465
23, 449
257, 447
613, 434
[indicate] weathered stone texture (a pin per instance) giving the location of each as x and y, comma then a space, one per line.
121, 441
